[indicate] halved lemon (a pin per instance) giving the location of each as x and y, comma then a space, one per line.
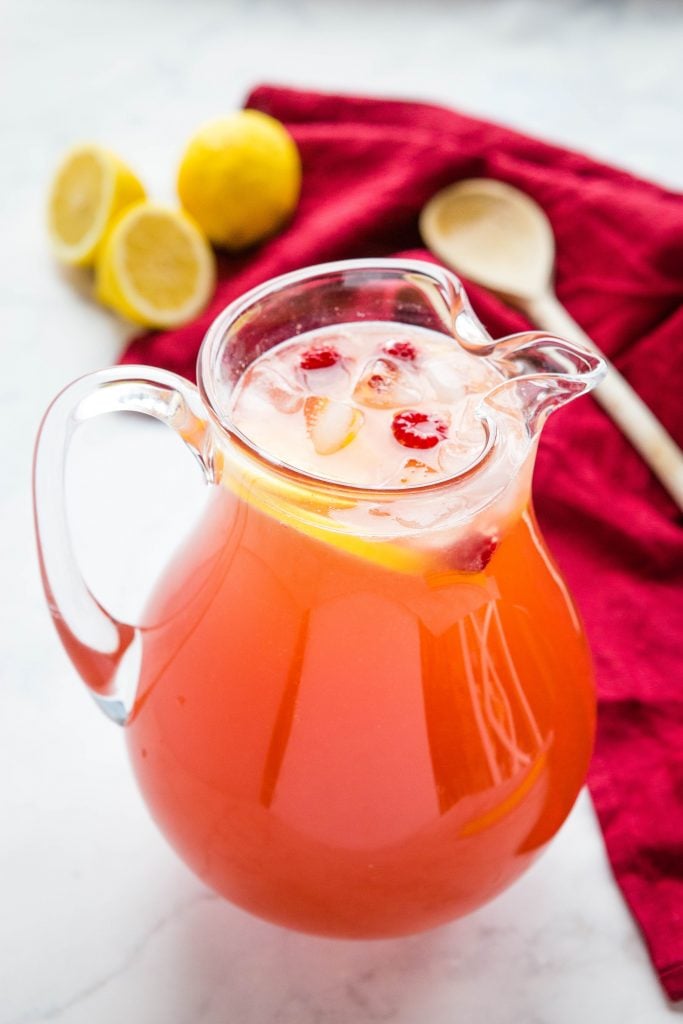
91, 186
155, 266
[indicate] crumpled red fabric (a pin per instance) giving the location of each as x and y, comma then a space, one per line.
369, 166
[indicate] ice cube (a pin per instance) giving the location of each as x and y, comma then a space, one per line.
333, 380
448, 380
384, 385
266, 384
460, 451
331, 424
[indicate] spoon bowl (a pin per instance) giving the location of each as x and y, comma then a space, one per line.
500, 238
494, 234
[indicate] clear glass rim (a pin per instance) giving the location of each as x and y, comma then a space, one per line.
211, 346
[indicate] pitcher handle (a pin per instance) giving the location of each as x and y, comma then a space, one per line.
96, 641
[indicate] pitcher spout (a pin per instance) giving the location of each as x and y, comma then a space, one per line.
543, 373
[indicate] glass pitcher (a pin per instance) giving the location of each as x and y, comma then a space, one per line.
353, 712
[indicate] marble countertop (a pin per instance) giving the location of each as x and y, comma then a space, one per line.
100, 922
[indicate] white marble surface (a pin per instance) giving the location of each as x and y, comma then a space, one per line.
99, 922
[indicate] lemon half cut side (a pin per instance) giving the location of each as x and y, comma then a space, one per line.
155, 267
91, 186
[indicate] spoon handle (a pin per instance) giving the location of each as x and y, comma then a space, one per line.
616, 396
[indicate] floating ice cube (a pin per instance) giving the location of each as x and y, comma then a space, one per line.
460, 451
448, 380
384, 385
453, 458
266, 384
333, 381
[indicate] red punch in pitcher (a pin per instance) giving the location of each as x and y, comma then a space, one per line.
363, 700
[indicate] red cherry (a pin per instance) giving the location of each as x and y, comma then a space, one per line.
473, 553
401, 350
319, 357
418, 429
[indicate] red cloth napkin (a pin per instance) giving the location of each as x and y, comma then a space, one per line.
369, 166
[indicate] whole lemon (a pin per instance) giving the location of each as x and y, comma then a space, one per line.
240, 178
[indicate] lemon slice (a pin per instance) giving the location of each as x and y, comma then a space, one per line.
385, 553
302, 510
90, 187
155, 266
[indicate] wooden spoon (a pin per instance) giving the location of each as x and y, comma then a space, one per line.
500, 238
